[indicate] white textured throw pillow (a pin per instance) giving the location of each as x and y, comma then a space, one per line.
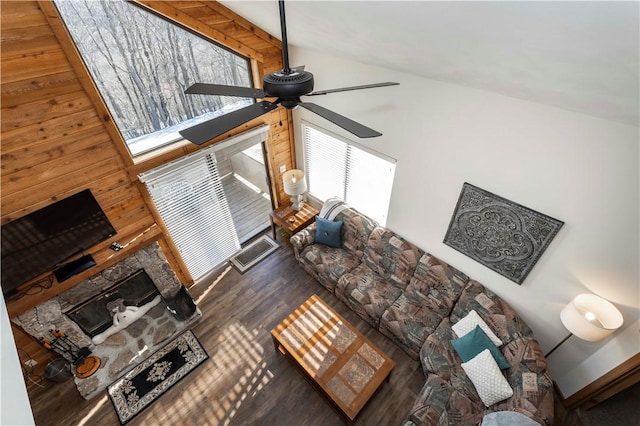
486, 376
468, 323
507, 418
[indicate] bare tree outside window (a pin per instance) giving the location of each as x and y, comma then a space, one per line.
142, 65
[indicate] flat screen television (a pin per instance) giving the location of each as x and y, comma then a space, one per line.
42, 240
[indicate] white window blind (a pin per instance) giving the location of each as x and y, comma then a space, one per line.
190, 198
336, 168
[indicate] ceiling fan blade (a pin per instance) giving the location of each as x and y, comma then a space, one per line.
349, 125
203, 132
346, 89
299, 68
222, 90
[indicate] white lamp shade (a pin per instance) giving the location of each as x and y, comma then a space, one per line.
294, 182
591, 317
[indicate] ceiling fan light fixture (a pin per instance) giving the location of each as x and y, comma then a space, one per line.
283, 85
287, 85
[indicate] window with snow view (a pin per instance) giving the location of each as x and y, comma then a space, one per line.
142, 65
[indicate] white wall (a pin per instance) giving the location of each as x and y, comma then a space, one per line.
14, 401
576, 168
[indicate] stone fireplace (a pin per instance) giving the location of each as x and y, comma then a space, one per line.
86, 303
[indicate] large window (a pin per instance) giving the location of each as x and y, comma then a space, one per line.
142, 64
190, 196
337, 168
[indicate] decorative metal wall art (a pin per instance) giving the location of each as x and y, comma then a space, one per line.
502, 235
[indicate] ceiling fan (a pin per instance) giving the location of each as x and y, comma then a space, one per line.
287, 85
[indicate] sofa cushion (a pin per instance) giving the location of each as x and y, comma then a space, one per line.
303, 239
437, 356
427, 300
430, 406
356, 229
328, 232
409, 321
530, 380
328, 264
366, 293
474, 342
438, 403
497, 313
391, 257
434, 279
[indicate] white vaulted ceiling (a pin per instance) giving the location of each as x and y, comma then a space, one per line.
580, 56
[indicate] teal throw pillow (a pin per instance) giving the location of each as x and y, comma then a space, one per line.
474, 342
328, 232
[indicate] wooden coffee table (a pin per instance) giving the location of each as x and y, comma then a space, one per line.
343, 364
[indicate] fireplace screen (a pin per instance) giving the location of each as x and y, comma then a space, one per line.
94, 317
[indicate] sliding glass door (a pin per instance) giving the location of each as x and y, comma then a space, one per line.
189, 195
193, 206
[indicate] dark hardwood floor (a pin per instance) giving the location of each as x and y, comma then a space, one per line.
245, 382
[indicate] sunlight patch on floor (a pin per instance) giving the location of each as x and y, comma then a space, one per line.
88, 417
212, 284
240, 360
247, 183
252, 187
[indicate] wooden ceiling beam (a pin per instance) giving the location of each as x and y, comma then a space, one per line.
244, 23
170, 12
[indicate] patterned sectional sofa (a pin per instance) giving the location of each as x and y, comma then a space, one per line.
414, 298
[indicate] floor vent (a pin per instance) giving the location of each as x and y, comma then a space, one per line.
254, 253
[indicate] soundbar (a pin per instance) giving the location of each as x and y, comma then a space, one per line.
74, 267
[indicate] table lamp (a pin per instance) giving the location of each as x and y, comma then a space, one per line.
589, 317
295, 185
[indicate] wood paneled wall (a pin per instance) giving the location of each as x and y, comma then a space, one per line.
57, 137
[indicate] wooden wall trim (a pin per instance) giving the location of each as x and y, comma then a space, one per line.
616, 380
244, 23
174, 152
177, 264
182, 19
